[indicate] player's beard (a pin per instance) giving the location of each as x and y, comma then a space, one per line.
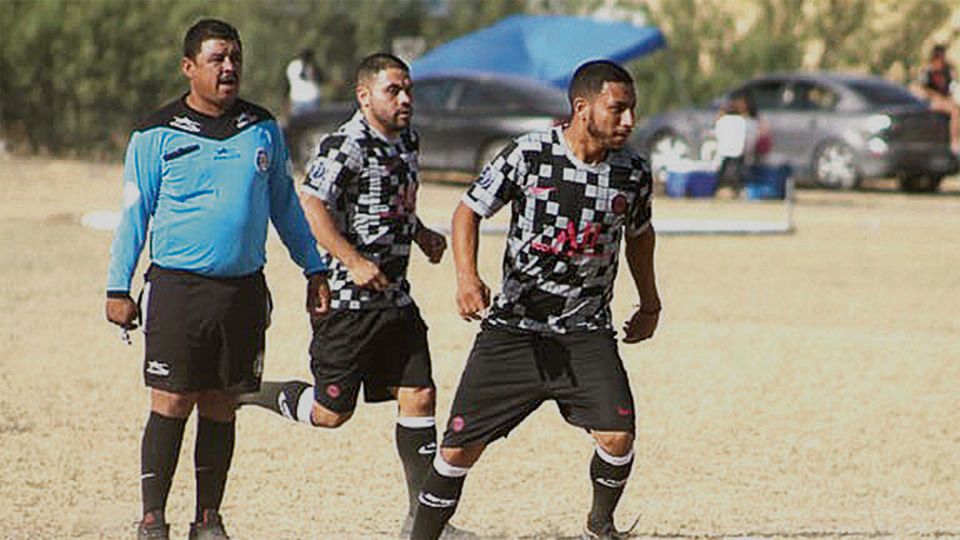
606, 140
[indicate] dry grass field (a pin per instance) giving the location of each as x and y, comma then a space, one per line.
801, 386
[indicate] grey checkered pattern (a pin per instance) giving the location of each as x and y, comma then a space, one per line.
564, 239
370, 186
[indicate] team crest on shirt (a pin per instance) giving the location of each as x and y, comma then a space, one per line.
263, 160
619, 204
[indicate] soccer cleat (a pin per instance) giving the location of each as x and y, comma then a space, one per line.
606, 531
211, 528
153, 527
449, 532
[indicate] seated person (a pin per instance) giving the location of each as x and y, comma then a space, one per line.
938, 86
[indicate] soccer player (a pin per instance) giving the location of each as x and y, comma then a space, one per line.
360, 196
205, 172
574, 191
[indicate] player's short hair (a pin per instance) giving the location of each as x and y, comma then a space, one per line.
205, 29
588, 79
377, 62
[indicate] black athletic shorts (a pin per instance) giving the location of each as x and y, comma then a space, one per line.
509, 373
204, 333
382, 348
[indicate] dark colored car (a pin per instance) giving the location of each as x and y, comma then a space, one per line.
463, 120
833, 129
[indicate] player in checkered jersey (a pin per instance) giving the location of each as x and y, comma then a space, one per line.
574, 191
359, 197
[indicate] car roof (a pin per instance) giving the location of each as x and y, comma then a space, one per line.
835, 77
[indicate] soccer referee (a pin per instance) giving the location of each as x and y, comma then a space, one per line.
205, 172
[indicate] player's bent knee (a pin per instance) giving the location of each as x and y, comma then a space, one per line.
461, 456
417, 401
321, 416
171, 404
615, 443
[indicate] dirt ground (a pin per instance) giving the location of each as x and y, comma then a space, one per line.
800, 386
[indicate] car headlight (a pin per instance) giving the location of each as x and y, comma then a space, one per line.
878, 122
876, 145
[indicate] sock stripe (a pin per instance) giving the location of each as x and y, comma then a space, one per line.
445, 469
417, 422
616, 461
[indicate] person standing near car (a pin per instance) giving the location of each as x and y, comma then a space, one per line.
204, 174
939, 85
575, 191
360, 197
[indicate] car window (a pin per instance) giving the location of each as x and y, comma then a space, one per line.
766, 95
808, 96
883, 93
432, 95
481, 96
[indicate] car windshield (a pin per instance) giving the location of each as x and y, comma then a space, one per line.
880, 93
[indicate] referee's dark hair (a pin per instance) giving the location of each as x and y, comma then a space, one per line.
205, 29
377, 62
589, 78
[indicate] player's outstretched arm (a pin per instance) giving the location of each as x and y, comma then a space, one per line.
363, 272
639, 254
473, 295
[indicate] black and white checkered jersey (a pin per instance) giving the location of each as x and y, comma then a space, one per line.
563, 242
369, 184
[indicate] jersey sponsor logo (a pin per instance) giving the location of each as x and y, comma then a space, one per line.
431, 500
457, 423
160, 369
566, 242
180, 152
610, 482
428, 449
262, 160
186, 124
245, 119
541, 190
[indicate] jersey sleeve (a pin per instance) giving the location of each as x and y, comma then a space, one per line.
640, 214
339, 160
286, 213
141, 185
498, 183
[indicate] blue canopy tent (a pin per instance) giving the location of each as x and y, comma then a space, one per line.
547, 48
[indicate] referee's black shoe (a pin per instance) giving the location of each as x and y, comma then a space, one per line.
210, 528
449, 531
153, 527
606, 531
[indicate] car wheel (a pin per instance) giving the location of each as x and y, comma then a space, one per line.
835, 166
665, 150
488, 152
919, 183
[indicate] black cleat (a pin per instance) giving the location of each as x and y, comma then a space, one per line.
449, 532
211, 528
606, 531
153, 526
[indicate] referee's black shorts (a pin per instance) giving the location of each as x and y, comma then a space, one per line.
509, 373
204, 333
380, 349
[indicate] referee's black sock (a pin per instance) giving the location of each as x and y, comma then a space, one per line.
159, 451
291, 399
417, 444
438, 499
609, 476
212, 456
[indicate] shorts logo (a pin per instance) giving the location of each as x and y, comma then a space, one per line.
619, 204
160, 369
263, 161
457, 423
333, 390
623, 411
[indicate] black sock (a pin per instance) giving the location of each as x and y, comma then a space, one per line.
416, 447
608, 483
279, 397
211, 458
436, 504
159, 452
